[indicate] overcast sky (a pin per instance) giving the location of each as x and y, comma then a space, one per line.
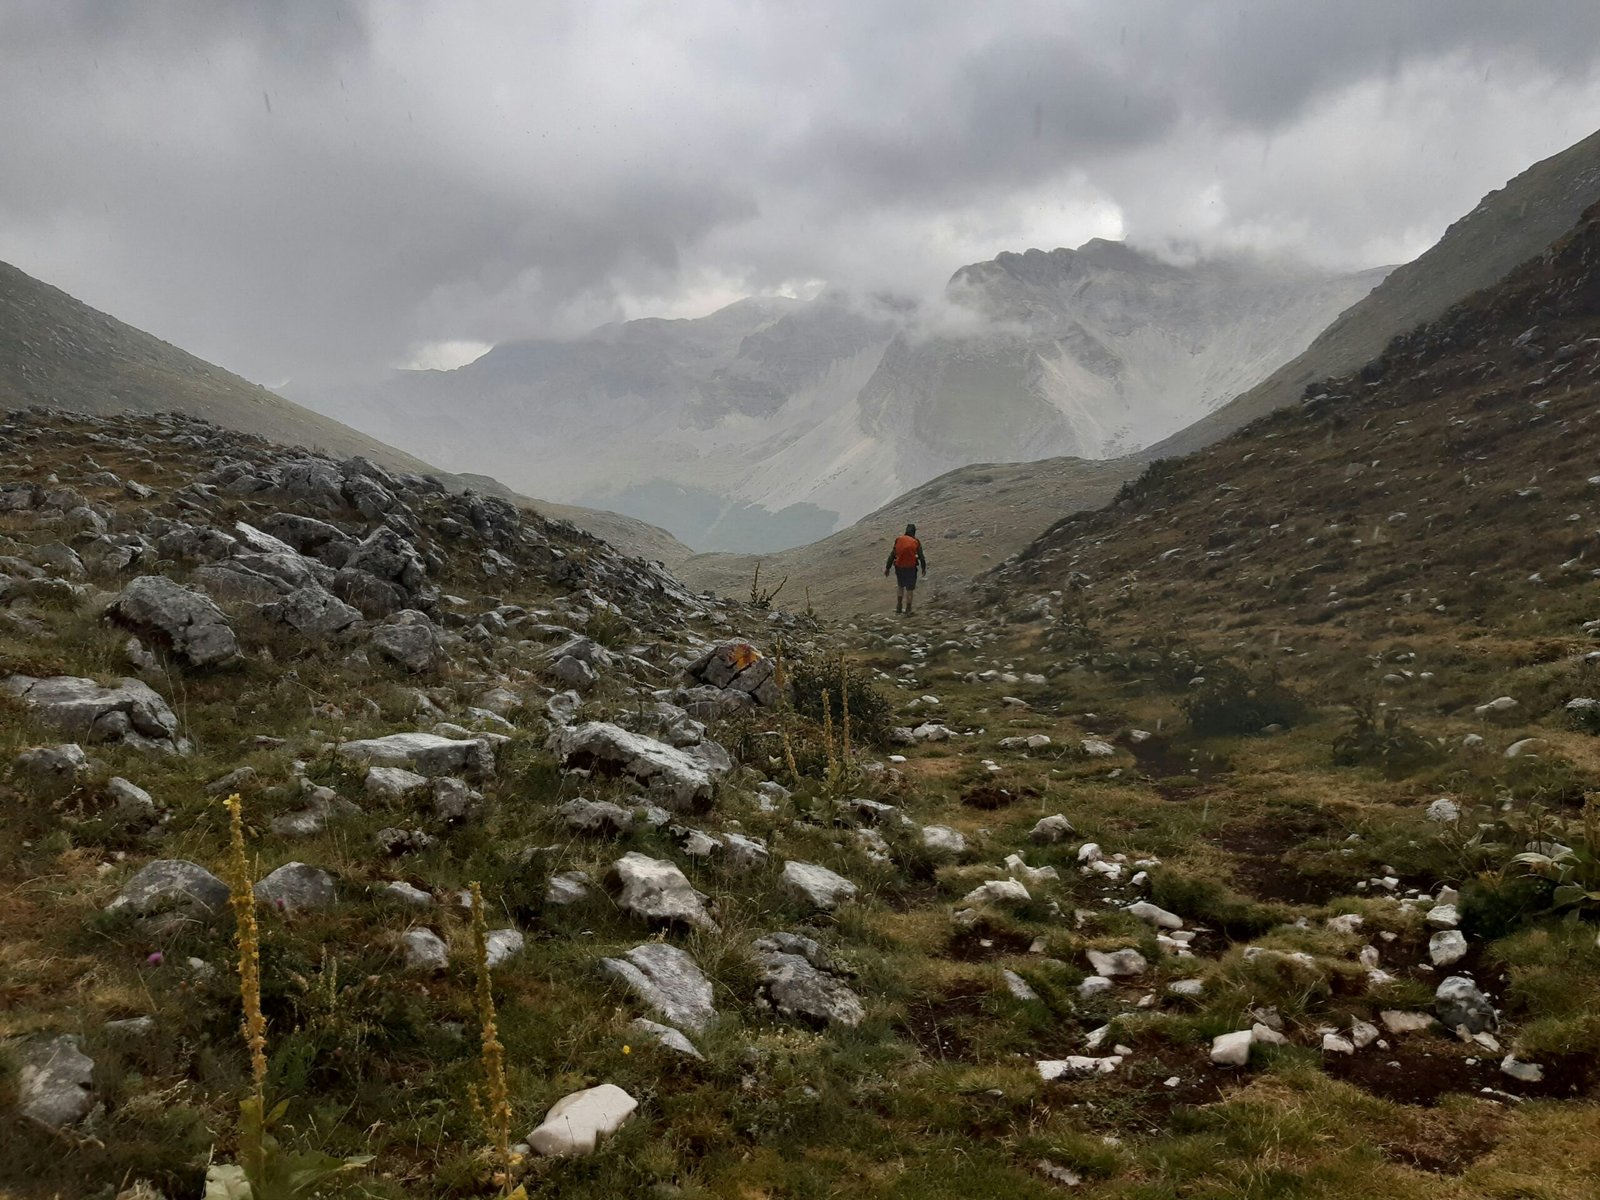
317, 190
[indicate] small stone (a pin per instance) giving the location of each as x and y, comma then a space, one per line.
1052, 830
1232, 1049
55, 1080
817, 886
400, 892
998, 892
1018, 986
1332, 1043
503, 944
1077, 1065
1447, 947
425, 950
669, 981
1404, 1022
393, 783
665, 1036
1127, 961
295, 885
1154, 915
576, 1123
1523, 1072
942, 841
1460, 1005
1093, 985
1443, 916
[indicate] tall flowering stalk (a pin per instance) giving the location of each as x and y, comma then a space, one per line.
495, 1108
247, 938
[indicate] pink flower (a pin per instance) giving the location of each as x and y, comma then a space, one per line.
155, 958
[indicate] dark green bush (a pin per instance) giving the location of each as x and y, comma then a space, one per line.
1232, 701
871, 712
1379, 737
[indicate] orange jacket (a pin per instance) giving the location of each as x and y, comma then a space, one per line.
907, 552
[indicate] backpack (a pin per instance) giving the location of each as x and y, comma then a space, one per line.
906, 549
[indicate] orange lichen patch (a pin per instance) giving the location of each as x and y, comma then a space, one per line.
741, 655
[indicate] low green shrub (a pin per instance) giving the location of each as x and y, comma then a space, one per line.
1232, 701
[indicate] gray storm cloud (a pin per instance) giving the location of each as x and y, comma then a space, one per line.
315, 190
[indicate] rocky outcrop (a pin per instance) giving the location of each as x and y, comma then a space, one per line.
682, 781
130, 713
187, 623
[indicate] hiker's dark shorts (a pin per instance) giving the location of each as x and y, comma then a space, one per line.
906, 577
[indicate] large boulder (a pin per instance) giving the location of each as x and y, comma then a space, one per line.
55, 1080
155, 607
424, 753
682, 781
655, 890
131, 712
668, 980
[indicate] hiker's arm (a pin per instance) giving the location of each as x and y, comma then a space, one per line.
888, 563
922, 558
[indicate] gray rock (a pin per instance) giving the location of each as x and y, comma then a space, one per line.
744, 853
314, 611
55, 1080
564, 707
1053, 829
295, 886
573, 672
597, 817
665, 1036
425, 753
1001, 892
795, 987
453, 800
193, 626
942, 841
424, 950
1460, 1005
681, 781
236, 780
400, 892
502, 944
131, 712
1018, 986
575, 1124
655, 890
409, 640
1444, 810
567, 887
1127, 961
1152, 914
130, 801
816, 886
51, 772
173, 890
667, 980
393, 783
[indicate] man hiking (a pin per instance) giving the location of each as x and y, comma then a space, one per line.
904, 559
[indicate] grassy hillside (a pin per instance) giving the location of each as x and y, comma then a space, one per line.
57, 351
969, 519
1508, 226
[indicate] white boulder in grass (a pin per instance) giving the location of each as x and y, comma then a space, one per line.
1126, 961
576, 1123
1232, 1049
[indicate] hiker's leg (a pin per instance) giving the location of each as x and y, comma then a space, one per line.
899, 598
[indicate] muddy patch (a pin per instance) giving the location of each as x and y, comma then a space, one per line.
1421, 1071
981, 945
1268, 864
988, 797
945, 1027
